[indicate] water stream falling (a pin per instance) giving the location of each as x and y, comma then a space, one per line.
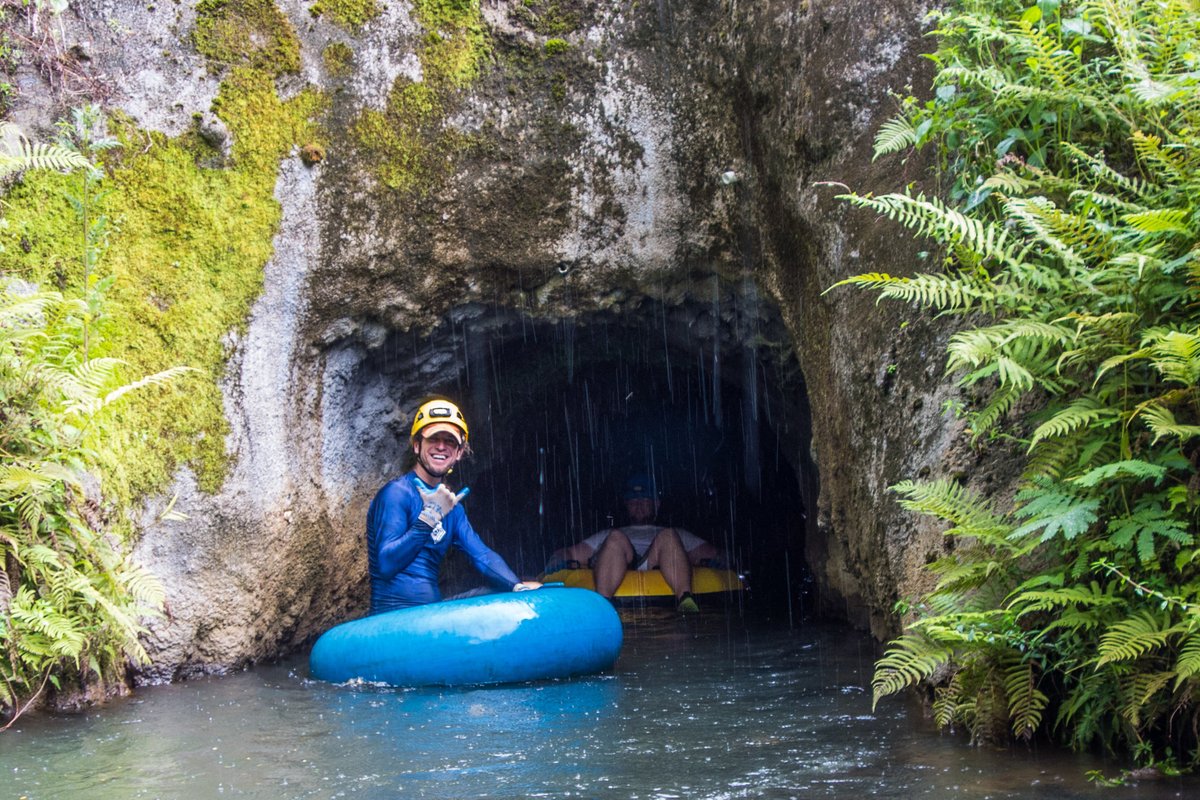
711, 707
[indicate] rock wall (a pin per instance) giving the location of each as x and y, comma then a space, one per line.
668, 167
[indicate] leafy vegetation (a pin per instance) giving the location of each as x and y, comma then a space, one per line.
70, 599
191, 223
1068, 140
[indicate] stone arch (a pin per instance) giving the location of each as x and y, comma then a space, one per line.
706, 395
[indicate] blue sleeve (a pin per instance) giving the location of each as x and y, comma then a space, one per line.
486, 560
395, 535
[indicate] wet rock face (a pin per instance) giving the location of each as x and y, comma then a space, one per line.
623, 205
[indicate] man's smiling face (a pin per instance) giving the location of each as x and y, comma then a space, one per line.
437, 453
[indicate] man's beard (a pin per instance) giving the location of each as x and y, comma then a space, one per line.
432, 470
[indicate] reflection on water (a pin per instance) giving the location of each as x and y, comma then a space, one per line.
704, 707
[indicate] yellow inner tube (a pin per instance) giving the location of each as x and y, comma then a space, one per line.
650, 583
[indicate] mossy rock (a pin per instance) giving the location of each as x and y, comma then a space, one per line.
350, 14
249, 33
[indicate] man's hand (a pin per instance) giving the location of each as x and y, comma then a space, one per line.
438, 503
560, 564
525, 586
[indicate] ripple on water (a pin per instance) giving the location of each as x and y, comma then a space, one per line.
709, 708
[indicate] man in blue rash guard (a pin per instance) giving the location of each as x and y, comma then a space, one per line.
415, 519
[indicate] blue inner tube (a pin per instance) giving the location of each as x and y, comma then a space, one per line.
497, 638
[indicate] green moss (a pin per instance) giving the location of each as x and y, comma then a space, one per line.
339, 59
456, 42
408, 143
249, 33
550, 17
555, 46
186, 255
350, 14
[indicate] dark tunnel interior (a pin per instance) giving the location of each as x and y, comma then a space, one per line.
562, 412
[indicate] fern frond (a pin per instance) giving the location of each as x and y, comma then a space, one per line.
987, 418
1008, 183
1052, 459
1135, 636
35, 155
1026, 340
1026, 701
1100, 169
1143, 524
1139, 689
945, 292
1175, 354
931, 218
22, 307
1161, 220
144, 587
1162, 423
947, 702
5, 587
1044, 221
971, 514
1187, 664
1054, 511
909, 660
157, 379
84, 385
898, 133
1031, 601
1159, 160
1129, 468
970, 582
1079, 414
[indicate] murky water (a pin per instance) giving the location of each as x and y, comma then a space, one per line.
705, 707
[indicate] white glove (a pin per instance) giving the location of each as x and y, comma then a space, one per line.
438, 503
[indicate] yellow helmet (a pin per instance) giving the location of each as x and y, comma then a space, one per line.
439, 412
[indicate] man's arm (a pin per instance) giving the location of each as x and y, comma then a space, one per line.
704, 552
699, 550
398, 534
580, 551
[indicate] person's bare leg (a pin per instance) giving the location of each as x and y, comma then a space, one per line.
610, 563
667, 554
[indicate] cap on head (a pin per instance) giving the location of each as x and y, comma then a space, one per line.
638, 487
440, 415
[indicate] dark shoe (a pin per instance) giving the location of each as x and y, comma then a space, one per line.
687, 604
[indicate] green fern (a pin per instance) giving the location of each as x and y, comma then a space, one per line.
1068, 140
1054, 511
1026, 702
1029, 598
929, 217
1160, 220
1081, 413
909, 660
948, 500
1162, 423
1187, 665
30, 155
932, 291
1133, 468
1135, 636
69, 602
895, 135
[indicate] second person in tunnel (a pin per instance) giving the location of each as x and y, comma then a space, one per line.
641, 545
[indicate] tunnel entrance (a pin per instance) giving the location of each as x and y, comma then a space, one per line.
561, 412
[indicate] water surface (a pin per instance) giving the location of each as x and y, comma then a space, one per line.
698, 707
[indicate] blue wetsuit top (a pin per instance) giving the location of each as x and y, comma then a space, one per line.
402, 558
